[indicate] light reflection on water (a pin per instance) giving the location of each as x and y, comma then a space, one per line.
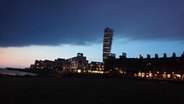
15, 73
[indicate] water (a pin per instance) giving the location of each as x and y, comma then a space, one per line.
15, 73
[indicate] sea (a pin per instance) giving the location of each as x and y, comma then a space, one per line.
4, 71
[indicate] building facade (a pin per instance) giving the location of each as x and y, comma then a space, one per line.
40, 64
78, 64
75, 64
60, 64
107, 42
155, 67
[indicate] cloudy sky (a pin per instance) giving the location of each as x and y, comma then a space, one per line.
50, 29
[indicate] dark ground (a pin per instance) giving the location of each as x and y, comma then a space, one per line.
88, 91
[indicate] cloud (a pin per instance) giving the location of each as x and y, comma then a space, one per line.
47, 22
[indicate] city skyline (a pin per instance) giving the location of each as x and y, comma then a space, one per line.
33, 30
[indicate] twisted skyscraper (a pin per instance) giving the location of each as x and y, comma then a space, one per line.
107, 42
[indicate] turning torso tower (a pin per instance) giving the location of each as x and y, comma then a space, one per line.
107, 42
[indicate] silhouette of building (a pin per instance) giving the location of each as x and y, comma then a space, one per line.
107, 42
113, 55
98, 66
163, 67
75, 64
46, 64
60, 64
78, 64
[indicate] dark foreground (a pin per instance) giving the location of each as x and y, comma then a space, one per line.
88, 91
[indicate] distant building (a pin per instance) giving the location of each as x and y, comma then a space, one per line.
174, 55
98, 66
113, 55
156, 55
60, 64
148, 56
107, 42
124, 55
164, 55
75, 64
40, 64
78, 64
163, 67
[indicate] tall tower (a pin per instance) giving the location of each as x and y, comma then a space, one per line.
107, 42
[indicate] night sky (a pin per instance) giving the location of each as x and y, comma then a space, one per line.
50, 29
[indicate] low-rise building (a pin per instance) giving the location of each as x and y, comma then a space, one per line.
40, 64
75, 64
163, 67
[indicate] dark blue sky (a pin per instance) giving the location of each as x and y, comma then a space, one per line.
54, 22
48, 29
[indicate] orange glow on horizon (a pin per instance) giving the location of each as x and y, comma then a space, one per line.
25, 56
